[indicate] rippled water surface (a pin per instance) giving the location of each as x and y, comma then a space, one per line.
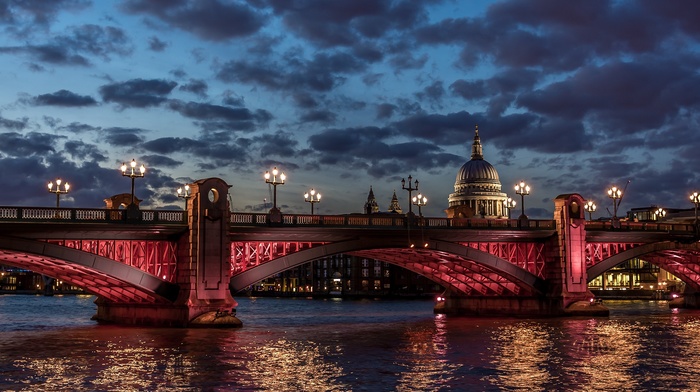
50, 344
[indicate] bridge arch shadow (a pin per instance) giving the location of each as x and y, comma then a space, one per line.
458, 268
680, 259
110, 279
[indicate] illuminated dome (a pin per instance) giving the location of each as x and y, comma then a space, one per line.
477, 188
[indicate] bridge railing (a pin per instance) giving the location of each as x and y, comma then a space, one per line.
87, 215
253, 219
641, 226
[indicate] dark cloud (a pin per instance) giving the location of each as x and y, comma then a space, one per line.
208, 19
222, 117
156, 44
76, 47
22, 15
52, 54
161, 161
138, 93
123, 137
79, 150
637, 95
14, 125
322, 73
325, 117
196, 86
367, 149
339, 23
64, 98
77, 128
210, 154
281, 144
32, 143
385, 111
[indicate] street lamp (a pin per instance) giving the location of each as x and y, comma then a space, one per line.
615, 194
695, 199
58, 189
133, 173
590, 207
313, 198
659, 213
509, 204
522, 189
420, 201
274, 181
184, 193
409, 189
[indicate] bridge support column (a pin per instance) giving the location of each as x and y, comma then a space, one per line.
566, 270
203, 270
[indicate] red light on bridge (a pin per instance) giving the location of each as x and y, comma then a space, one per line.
440, 299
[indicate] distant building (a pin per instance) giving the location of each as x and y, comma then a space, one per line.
477, 190
371, 206
394, 206
347, 276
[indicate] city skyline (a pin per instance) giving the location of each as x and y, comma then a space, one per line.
343, 96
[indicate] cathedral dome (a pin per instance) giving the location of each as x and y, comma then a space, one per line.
477, 170
477, 188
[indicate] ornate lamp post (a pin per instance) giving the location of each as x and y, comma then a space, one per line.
58, 189
695, 199
615, 194
590, 207
184, 193
274, 179
312, 197
659, 213
420, 201
409, 189
509, 204
133, 173
522, 189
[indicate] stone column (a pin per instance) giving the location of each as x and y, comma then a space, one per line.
570, 265
204, 269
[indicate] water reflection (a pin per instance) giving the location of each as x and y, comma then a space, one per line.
423, 357
285, 365
320, 346
522, 356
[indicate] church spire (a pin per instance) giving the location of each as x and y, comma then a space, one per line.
477, 152
371, 206
394, 206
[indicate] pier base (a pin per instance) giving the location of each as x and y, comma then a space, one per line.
685, 301
519, 307
162, 315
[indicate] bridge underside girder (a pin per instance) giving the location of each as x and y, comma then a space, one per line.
462, 269
110, 279
462, 276
680, 259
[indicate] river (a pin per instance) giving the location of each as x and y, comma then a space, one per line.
50, 344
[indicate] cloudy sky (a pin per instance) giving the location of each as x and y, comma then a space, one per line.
572, 97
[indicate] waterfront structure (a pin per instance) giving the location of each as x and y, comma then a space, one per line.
371, 206
394, 206
344, 275
175, 267
477, 189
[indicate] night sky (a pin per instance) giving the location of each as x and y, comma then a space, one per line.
571, 97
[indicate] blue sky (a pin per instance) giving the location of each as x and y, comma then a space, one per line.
572, 97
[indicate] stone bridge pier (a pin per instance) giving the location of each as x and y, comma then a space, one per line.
203, 269
565, 291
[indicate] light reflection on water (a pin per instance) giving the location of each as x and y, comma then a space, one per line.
312, 345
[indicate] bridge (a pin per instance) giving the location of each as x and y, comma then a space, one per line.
180, 268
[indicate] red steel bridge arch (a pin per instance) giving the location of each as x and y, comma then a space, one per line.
474, 268
682, 259
103, 276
